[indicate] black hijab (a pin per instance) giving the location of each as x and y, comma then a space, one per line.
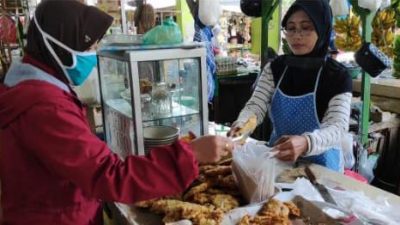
74, 24
300, 77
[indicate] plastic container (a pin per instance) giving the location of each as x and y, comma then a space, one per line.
355, 176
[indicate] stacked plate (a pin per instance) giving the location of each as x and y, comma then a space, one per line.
157, 136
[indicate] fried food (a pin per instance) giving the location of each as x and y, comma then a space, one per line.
245, 220
175, 210
224, 202
226, 161
274, 212
204, 168
218, 170
145, 204
227, 182
249, 126
276, 208
201, 198
293, 209
290, 175
196, 189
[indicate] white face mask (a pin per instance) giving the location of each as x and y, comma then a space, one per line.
82, 62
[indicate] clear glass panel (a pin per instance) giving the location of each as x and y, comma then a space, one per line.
170, 93
116, 96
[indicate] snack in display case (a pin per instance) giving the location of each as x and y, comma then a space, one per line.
143, 86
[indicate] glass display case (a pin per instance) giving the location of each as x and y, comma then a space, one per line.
142, 86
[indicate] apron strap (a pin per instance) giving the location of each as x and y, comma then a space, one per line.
280, 80
317, 81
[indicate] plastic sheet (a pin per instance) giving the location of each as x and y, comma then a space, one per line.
350, 204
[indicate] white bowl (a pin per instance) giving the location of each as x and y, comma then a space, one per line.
160, 133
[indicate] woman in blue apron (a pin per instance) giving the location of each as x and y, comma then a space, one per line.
306, 93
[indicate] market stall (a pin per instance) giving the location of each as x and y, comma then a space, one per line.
154, 89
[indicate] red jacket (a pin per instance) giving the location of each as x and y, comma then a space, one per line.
53, 170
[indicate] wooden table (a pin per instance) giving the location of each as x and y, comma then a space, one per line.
128, 215
385, 93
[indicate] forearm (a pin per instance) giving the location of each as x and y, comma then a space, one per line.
334, 124
261, 98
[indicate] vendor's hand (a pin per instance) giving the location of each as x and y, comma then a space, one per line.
290, 147
235, 128
210, 149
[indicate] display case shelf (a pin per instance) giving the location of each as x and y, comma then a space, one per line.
125, 108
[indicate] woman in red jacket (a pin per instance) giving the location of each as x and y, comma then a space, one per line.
53, 170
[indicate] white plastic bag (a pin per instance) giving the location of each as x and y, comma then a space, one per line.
209, 12
372, 5
340, 7
347, 148
254, 171
385, 4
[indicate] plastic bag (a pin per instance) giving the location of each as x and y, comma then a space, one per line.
372, 5
166, 33
254, 171
340, 7
347, 148
367, 165
375, 211
209, 12
385, 4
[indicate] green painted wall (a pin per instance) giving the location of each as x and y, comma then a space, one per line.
184, 19
273, 33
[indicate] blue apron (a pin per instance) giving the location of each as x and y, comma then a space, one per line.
295, 115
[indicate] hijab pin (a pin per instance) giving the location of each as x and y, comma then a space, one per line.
87, 39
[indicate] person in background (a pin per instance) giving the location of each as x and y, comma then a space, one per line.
53, 170
204, 34
145, 18
307, 94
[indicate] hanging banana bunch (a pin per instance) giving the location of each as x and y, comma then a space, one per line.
348, 36
382, 30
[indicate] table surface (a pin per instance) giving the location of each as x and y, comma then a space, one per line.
381, 87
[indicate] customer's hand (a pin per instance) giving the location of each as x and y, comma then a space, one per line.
290, 147
210, 149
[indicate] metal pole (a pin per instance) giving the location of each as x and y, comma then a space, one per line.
123, 18
366, 19
267, 9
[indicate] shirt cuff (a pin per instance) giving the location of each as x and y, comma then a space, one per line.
308, 144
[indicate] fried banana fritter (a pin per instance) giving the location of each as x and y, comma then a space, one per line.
218, 170
273, 212
196, 189
175, 210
